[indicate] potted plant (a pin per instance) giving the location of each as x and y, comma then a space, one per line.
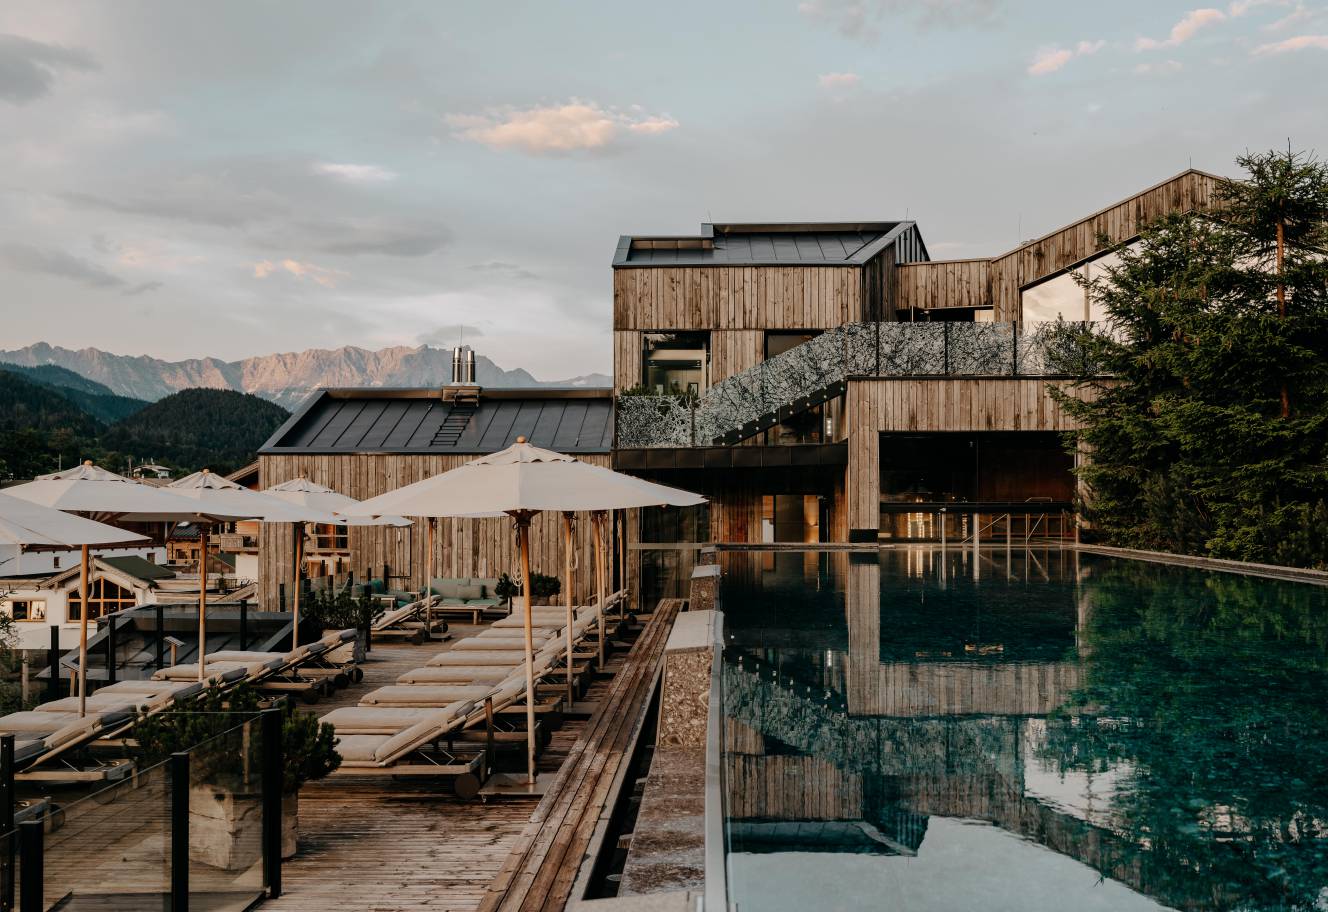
332, 611
225, 801
543, 589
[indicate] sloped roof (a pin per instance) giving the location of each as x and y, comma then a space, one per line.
137, 567
411, 421
764, 244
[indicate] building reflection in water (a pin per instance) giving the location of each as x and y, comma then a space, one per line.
1162, 726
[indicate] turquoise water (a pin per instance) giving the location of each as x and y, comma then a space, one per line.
1041, 731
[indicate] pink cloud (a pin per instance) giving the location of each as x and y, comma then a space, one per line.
1298, 43
1050, 59
838, 80
1183, 30
560, 128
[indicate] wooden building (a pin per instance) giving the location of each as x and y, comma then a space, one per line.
884, 431
365, 442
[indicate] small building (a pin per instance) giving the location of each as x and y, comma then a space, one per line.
365, 442
150, 471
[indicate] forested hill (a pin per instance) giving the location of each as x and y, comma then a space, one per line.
92, 397
44, 427
197, 428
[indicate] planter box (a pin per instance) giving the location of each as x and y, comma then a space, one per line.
352, 652
226, 828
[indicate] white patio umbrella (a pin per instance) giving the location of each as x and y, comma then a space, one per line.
521, 481
304, 493
104, 495
220, 493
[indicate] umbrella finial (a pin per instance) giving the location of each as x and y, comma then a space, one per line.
521, 439
207, 471
87, 462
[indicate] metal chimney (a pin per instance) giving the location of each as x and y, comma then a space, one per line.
470, 365
463, 366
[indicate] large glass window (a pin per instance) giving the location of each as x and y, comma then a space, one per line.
793, 518
805, 427
28, 609
104, 597
676, 364
1063, 298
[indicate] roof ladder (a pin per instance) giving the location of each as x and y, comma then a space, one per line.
458, 417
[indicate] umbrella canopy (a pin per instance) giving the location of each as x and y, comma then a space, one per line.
305, 493
91, 489
523, 480
220, 496
36, 528
523, 477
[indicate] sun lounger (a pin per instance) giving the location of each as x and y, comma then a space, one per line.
414, 748
406, 622
411, 695
214, 673
41, 735
456, 674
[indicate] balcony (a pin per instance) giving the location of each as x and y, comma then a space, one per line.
803, 377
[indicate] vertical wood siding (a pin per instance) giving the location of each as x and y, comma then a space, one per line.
465, 547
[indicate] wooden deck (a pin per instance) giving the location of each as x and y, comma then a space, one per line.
381, 845
542, 868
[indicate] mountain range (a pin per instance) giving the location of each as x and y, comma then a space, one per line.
285, 378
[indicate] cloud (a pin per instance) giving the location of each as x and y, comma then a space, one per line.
1051, 59
328, 278
1299, 14
838, 80
28, 68
44, 261
141, 288
560, 128
1183, 30
357, 174
511, 270
450, 335
1298, 43
1238, 8
1163, 67
395, 236
860, 18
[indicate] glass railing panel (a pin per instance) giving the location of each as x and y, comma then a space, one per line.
730, 404
985, 349
1056, 348
226, 818
804, 370
911, 349
111, 847
859, 348
654, 421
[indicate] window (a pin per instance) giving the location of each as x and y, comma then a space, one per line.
331, 537
28, 610
676, 364
1062, 297
104, 597
792, 518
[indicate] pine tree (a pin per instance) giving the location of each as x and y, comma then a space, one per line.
1212, 435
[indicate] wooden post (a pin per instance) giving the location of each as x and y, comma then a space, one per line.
83, 634
597, 522
522, 518
569, 585
428, 575
202, 598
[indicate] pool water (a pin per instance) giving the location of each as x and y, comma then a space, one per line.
1028, 729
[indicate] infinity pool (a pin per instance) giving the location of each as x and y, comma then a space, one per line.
1034, 730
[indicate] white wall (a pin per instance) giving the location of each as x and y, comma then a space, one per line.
44, 563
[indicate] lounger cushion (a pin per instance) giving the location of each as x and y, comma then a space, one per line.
374, 720
420, 695
34, 722
506, 657
176, 690
456, 674
97, 702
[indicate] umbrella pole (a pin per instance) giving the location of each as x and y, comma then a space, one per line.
622, 561
299, 566
569, 542
202, 598
428, 577
523, 536
83, 635
597, 519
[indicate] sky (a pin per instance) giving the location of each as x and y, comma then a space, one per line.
185, 179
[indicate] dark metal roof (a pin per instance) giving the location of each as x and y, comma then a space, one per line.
138, 567
760, 244
409, 421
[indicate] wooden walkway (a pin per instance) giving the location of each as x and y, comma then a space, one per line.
382, 845
540, 872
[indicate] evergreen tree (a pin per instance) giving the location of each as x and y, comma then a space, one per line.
1211, 437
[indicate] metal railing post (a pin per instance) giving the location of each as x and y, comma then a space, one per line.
281, 597
7, 821
53, 661
244, 623
161, 635
179, 894
273, 774
32, 834
113, 622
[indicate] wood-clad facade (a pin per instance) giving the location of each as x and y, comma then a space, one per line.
999, 281
938, 405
